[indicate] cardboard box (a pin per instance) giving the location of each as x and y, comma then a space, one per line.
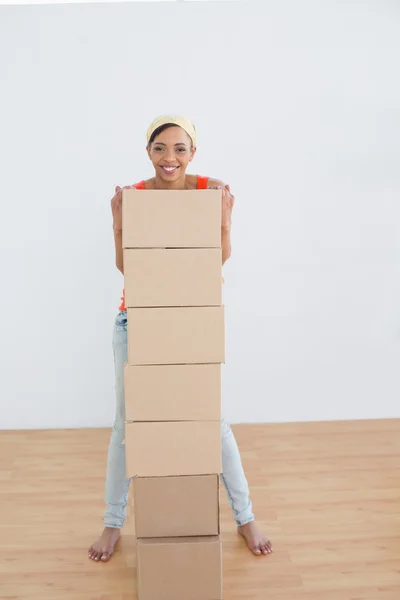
172, 392
158, 336
159, 277
171, 218
179, 568
176, 506
178, 448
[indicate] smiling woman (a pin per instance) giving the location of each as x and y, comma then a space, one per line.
171, 146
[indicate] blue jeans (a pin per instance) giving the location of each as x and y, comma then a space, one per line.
117, 483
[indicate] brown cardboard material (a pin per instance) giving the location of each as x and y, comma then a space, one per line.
172, 392
176, 506
179, 568
176, 335
177, 448
173, 277
171, 218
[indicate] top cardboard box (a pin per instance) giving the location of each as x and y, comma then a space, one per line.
171, 218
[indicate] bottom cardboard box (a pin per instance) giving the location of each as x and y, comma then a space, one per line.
186, 568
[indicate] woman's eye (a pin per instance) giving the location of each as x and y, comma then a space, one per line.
158, 149
182, 150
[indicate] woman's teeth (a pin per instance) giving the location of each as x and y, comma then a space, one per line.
169, 169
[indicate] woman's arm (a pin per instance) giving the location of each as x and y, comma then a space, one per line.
226, 218
226, 243
119, 254
116, 208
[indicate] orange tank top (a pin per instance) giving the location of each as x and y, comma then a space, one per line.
201, 185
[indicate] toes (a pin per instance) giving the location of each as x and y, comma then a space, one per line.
105, 556
93, 553
267, 547
256, 550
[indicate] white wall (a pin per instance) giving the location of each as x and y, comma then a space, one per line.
297, 108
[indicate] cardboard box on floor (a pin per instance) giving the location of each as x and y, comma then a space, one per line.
184, 335
173, 277
186, 568
176, 506
172, 392
171, 218
173, 448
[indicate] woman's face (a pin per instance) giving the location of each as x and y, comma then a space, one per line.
171, 153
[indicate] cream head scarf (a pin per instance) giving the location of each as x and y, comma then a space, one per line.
174, 120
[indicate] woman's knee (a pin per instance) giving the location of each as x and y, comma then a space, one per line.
119, 422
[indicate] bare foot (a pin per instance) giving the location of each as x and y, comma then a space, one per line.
104, 547
257, 542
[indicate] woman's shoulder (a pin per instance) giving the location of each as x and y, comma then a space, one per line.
144, 184
206, 182
215, 182
140, 185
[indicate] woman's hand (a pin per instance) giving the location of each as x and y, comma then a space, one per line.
228, 200
116, 207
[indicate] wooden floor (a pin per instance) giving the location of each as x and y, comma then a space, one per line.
327, 495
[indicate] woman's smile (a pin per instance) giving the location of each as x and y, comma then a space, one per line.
169, 170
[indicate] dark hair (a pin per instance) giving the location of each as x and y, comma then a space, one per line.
162, 128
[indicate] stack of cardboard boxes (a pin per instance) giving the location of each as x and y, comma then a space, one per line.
176, 344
